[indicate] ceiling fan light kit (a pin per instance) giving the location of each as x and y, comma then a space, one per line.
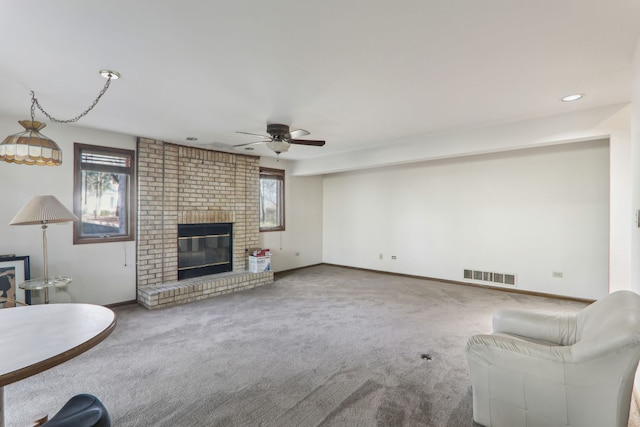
278, 146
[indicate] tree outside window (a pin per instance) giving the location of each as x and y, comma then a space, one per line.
103, 194
271, 199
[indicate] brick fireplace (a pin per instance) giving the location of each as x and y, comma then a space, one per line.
187, 185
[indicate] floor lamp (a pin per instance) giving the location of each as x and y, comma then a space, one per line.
44, 210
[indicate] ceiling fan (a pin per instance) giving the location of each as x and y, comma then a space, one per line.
280, 138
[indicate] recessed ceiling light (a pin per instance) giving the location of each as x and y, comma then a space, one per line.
192, 138
573, 97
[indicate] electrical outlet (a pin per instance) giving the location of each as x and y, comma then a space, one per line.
558, 274
393, 257
380, 256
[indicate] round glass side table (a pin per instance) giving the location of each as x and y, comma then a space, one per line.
52, 282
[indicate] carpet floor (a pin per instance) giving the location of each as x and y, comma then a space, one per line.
321, 346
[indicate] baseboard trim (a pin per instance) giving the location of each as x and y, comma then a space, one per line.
291, 270
473, 285
120, 304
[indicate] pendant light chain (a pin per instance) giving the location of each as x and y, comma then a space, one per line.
34, 103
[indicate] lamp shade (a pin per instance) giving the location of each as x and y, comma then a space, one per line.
30, 147
43, 210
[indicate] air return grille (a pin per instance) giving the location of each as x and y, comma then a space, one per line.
490, 276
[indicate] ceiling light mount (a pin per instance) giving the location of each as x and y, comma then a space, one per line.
109, 74
33, 148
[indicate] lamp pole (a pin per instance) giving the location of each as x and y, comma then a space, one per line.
46, 261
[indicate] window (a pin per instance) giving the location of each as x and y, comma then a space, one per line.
103, 194
271, 199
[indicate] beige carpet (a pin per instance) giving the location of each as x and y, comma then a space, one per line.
322, 346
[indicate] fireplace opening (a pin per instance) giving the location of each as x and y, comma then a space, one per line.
204, 249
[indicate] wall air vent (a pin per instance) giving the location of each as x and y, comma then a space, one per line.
490, 276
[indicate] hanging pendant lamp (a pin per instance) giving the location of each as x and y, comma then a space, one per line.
30, 147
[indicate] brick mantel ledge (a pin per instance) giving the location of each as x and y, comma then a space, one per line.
189, 290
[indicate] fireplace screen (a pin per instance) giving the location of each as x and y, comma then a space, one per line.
204, 249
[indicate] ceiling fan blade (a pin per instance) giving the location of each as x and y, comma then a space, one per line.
254, 134
250, 143
297, 133
315, 143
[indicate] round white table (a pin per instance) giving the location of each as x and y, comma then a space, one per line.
38, 337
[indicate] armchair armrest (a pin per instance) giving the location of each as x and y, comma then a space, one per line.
481, 344
559, 329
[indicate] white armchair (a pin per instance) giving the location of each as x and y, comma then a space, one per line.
551, 370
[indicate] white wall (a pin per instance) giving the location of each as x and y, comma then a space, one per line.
610, 122
635, 144
301, 243
527, 212
102, 273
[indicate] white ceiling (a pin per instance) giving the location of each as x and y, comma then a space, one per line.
356, 73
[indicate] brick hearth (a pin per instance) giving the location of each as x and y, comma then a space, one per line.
189, 290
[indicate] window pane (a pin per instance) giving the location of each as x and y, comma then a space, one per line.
103, 208
271, 200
